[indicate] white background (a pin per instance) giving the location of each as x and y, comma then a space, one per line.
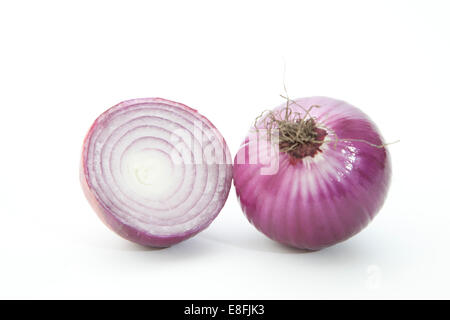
63, 63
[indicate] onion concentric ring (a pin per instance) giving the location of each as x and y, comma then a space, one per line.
155, 171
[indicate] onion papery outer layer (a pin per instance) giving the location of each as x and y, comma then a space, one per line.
318, 201
155, 171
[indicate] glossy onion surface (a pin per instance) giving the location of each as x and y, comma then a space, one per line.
319, 200
155, 171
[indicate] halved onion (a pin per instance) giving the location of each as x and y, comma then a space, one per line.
155, 171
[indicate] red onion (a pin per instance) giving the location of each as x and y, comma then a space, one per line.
312, 173
155, 171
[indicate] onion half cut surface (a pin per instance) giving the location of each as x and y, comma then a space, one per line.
155, 171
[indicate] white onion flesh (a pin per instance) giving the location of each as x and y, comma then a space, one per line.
156, 167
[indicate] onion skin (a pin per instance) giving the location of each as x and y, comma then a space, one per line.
317, 201
131, 232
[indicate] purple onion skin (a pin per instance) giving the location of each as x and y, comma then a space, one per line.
317, 202
132, 233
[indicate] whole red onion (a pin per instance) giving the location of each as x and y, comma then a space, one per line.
313, 172
155, 171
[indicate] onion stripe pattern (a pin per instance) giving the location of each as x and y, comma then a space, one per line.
318, 200
156, 171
